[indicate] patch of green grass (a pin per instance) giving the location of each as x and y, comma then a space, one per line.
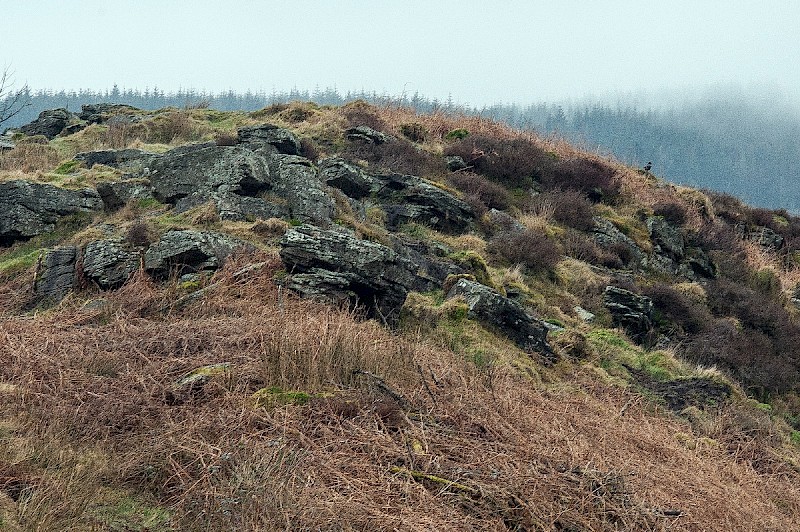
147, 204
19, 260
275, 395
130, 513
67, 167
616, 353
795, 437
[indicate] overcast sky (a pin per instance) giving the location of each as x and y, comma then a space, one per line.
479, 52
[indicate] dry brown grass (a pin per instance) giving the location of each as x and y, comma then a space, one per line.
465, 448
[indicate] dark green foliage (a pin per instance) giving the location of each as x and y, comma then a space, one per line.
532, 249
457, 134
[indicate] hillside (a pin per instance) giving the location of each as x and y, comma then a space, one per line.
363, 318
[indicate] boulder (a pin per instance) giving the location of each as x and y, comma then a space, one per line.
182, 252
630, 311
6, 145
132, 160
367, 135
57, 274
667, 239
412, 199
99, 113
509, 317
203, 169
297, 182
244, 208
270, 136
336, 266
109, 263
346, 177
116, 194
433, 264
765, 237
606, 235
49, 123
455, 163
29, 209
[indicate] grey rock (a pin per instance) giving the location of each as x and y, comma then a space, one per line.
268, 135
132, 160
630, 311
188, 251
109, 263
244, 208
455, 163
412, 199
99, 113
606, 235
583, 314
29, 209
508, 316
765, 237
49, 123
203, 169
502, 222
699, 264
333, 264
57, 275
116, 194
433, 266
668, 240
296, 180
6, 144
346, 177
367, 135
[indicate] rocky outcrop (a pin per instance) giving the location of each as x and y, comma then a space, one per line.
50, 123
131, 160
6, 144
29, 209
765, 237
109, 263
348, 178
269, 136
56, 275
99, 113
203, 169
630, 311
509, 317
116, 194
607, 236
366, 135
667, 239
297, 182
411, 199
181, 252
334, 265
455, 163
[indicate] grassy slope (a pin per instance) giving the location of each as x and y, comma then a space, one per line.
97, 435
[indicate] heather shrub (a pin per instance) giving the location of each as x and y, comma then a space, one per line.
569, 207
593, 178
532, 249
139, 234
491, 194
514, 163
399, 156
675, 312
415, 132
308, 149
673, 212
360, 113
226, 139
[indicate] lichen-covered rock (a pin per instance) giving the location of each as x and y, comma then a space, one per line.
508, 316
667, 239
116, 194
630, 311
346, 177
109, 263
57, 276
455, 163
181, 252
765, 237
336, 266
268, 135
49, 123
29, 209
412, 199
606, 235
238, 208
99, 113
296, 180
367, 135
203, 169
132, 160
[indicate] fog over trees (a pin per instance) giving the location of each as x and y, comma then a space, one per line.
738, 143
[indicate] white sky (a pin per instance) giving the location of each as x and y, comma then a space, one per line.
480, 52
